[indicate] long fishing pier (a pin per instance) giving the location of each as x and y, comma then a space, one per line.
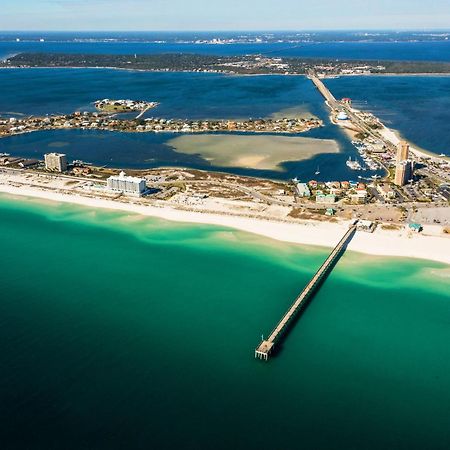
266, 347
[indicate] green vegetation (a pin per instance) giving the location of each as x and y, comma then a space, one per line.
249, 64
114, 108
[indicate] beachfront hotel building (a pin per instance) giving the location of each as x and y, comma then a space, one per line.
402, 151
403, 172
127, 185
404, 167
56, 162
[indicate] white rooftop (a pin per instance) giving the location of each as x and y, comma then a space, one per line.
55, 154
122, 176
365, 223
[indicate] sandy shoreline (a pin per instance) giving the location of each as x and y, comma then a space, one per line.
401, 243
395, 137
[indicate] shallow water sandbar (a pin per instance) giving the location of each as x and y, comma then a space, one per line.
255, 152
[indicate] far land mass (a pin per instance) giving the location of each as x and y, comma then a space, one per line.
249, 64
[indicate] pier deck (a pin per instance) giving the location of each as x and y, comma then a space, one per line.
266, 346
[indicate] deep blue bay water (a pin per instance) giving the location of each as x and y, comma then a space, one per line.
417, 106
150, 150
181, 95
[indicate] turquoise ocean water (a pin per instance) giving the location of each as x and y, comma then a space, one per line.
122, 332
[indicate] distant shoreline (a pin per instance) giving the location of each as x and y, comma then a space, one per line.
248, 64
388, 74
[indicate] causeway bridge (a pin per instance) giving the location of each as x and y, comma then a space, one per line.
266, 346
334, 104
326, 93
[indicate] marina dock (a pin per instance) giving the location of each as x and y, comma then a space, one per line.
266, 347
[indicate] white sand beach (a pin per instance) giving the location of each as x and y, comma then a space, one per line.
394, 137
402, 243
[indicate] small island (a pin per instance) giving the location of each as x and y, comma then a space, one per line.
124, 106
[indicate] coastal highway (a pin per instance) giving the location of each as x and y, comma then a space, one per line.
237, 187
255, 194
383, 213
234, 186
248, 191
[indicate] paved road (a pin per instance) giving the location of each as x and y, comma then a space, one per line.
237, 187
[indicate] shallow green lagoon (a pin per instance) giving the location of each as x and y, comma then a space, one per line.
121, 332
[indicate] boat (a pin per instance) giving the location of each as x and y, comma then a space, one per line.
78, 162
354, 165
443, 154
317, 172
4, 154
